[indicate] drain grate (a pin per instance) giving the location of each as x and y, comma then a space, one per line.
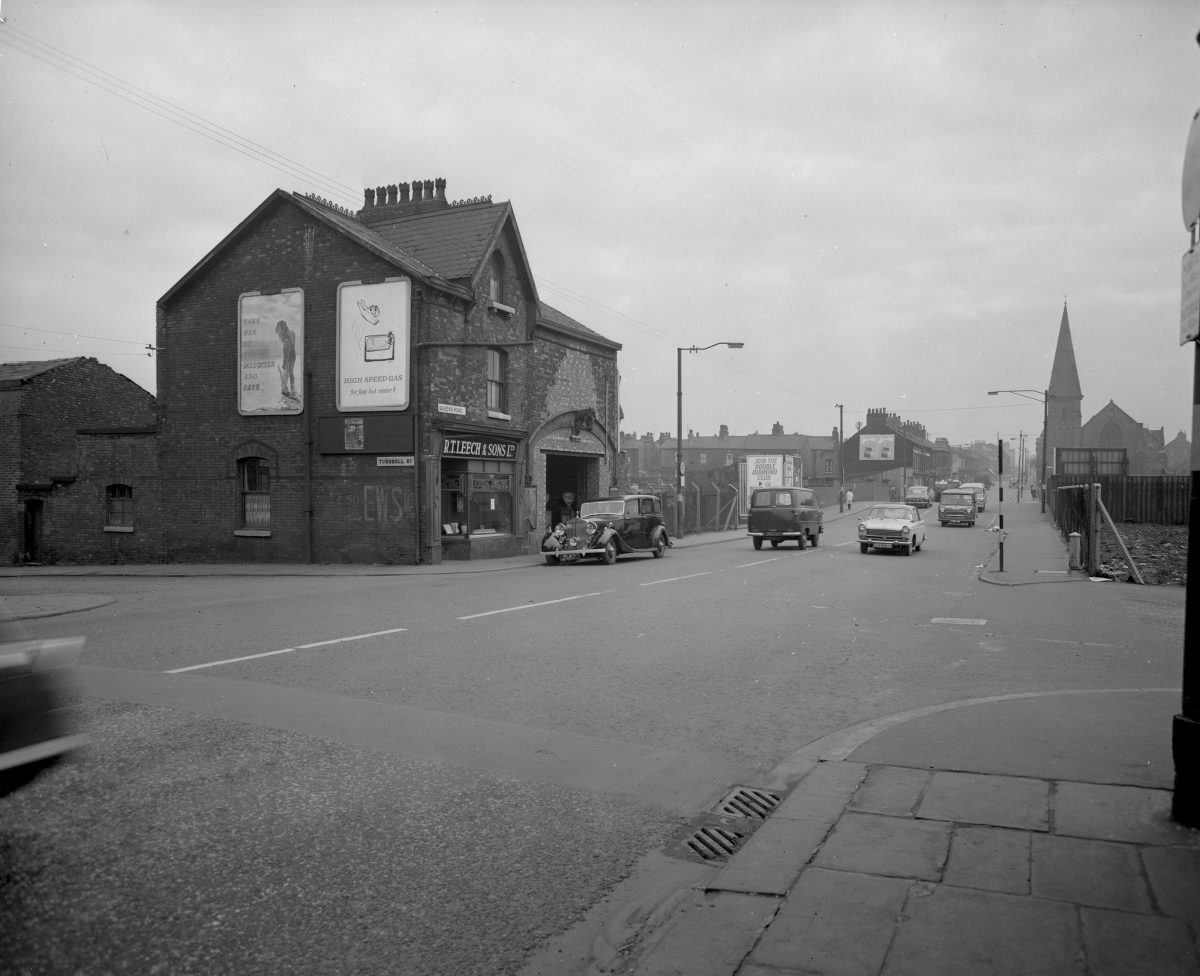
713, 843
748, 802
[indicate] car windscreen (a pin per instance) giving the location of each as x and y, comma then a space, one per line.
609, 506
888, 512
958, 498
768, 497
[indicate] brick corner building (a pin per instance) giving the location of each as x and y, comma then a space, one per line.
378, 386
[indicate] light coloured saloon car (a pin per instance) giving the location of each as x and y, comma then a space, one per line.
891, 527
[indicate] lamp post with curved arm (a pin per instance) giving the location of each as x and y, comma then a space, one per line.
679, 351
1042, 396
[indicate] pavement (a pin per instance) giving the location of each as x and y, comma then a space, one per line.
1015, 834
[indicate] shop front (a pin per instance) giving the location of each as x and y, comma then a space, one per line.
479, 475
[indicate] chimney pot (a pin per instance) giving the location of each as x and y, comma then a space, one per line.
440, 184
380, 194
368, 198
404, 191
391, 190
429, 189
416, 191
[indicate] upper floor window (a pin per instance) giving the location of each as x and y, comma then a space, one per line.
496, 278
254, 480
118, 507
497, 381
829, 465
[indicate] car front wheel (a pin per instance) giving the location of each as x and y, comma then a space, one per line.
660, 547
610, 553
863, 546
757, 542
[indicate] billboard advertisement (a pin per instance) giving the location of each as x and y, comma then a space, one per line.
374, 325
772, 471
271, 353
876, 447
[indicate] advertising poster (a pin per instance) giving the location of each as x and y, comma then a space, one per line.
373, 333
876, 447
764, 470
271, 353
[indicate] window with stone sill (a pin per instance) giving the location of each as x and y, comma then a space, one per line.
497, 383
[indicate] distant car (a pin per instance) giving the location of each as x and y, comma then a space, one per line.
957, 507
920, 496
607, 528
891, 528
980, 493
784, 515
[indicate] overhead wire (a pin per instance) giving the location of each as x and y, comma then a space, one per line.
40, 50
47, 53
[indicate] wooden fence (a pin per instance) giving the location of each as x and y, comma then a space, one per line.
1153, 499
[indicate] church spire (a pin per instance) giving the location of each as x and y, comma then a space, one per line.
1064, 376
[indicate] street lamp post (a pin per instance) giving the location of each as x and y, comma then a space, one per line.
841, 443
679, 351
1043, 397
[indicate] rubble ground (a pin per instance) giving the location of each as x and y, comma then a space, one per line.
1159, 552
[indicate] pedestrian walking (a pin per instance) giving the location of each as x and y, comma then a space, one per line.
849, 498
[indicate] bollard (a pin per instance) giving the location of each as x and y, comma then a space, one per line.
1073, 550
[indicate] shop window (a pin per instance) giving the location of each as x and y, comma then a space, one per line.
254, 479
477, 498
497, 382
490, 503
118, 508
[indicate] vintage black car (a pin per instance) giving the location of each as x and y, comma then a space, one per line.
607, 528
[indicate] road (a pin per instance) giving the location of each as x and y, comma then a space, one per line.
443, 773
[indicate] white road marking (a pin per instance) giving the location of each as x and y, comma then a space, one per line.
759, 562
288, 650
674, 579
973, 621
530, 606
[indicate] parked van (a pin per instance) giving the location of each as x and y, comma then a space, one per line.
784, 514
957, 506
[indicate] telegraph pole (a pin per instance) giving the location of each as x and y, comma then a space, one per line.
1185, 728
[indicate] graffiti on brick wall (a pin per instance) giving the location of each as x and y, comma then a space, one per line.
383, 504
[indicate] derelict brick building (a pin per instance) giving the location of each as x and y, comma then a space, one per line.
379, 386
77, 464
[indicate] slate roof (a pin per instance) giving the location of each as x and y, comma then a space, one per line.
13, 374
446, 246
553, 318
454, 240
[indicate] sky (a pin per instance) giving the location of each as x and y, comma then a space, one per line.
887, 203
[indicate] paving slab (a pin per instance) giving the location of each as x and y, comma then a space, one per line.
892, 846
773, 857
993, 860
1175, 880
709, 936
1121, 944
999, 801
972, 933
892, 790
1089, 872
1122, 813
834, 923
